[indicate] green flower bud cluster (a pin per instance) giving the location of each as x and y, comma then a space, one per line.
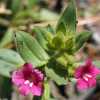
62, 43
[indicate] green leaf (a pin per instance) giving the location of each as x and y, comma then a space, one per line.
40, 38
70, 45
32, 43
30, 49
61, 27
67, 21
81, 39
52, 73
6, 68
44, 36
9, 60
46, 33
10, 56
7, 39
56, 72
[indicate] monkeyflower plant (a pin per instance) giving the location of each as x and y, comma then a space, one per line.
49, 55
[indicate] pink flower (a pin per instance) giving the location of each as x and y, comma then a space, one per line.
28, 80
86, 75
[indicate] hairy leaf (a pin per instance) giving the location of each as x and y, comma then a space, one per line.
56, 72
67, 21
30, 49
81, 39
9, 60
7, 39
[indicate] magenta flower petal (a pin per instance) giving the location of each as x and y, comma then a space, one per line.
81, 84
27, 70
27, 67
38, 74
36, 90
24, 90
17, 78
88, 62
92, 82
28, 80
95, 71
79, 72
